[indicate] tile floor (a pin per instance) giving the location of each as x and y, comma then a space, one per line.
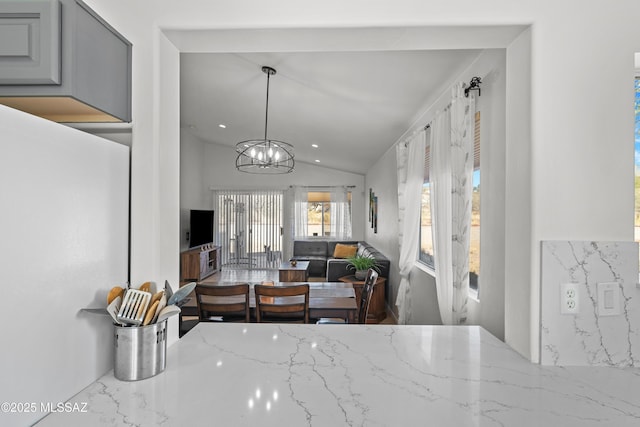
239, 275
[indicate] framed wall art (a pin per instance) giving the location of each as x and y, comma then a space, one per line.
373, 210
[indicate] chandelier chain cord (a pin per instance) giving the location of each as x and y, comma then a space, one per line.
266, 114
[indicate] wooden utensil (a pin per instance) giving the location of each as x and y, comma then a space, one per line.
116, 291
161, 304
150, 314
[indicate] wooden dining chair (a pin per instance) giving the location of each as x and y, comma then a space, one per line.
277, 304
365, 300
223, 303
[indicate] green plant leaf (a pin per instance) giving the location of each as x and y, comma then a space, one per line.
360, 262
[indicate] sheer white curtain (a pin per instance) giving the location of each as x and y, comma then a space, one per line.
410, 164
462, 123
300, 213
440, 183
340, 214
450, 175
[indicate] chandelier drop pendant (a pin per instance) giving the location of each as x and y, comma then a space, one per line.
265, 156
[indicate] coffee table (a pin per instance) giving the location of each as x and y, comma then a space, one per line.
294, 273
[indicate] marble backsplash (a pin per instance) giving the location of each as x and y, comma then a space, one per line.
589, 337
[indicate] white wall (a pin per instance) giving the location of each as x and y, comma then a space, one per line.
193, 193
520, 293
221, 173
383, 180
581, 115
214, 167
488, 311
208, 167
64, 227
166, 236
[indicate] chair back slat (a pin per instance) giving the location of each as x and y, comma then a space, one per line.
231, 302
282, 303
365, 297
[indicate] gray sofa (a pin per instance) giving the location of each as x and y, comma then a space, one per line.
319, 253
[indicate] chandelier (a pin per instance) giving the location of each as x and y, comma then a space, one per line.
265, 156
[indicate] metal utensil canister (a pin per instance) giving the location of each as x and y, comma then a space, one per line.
140, 351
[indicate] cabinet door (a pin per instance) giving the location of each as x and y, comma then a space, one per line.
61, 61
30, 43
190, 266
204, 264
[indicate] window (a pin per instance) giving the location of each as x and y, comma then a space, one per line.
474, 247
328, 214
426, 234
319, 214
637, 162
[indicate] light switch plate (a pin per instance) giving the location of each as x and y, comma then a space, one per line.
609, 299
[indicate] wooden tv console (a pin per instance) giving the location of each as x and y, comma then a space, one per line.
199, 263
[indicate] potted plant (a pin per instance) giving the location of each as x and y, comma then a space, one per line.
361, 264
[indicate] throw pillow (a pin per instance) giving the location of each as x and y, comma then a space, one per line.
344, 251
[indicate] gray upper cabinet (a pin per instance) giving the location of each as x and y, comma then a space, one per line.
61, 61
30, 43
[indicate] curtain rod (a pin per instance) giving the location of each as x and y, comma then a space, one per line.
425, 127
428, 125
474, 84
258, 190
323, 186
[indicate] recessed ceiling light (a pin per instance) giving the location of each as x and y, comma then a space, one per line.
314, 145
222, 126
317, 161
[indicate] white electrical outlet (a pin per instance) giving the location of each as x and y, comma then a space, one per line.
569, 298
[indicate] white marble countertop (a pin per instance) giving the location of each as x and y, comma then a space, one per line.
356, 375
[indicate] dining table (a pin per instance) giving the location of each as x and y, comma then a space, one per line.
326, 299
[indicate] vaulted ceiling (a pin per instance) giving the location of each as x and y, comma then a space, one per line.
353, 105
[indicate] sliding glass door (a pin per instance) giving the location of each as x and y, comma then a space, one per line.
249, 228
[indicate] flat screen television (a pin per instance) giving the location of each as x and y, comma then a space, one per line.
201, 227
